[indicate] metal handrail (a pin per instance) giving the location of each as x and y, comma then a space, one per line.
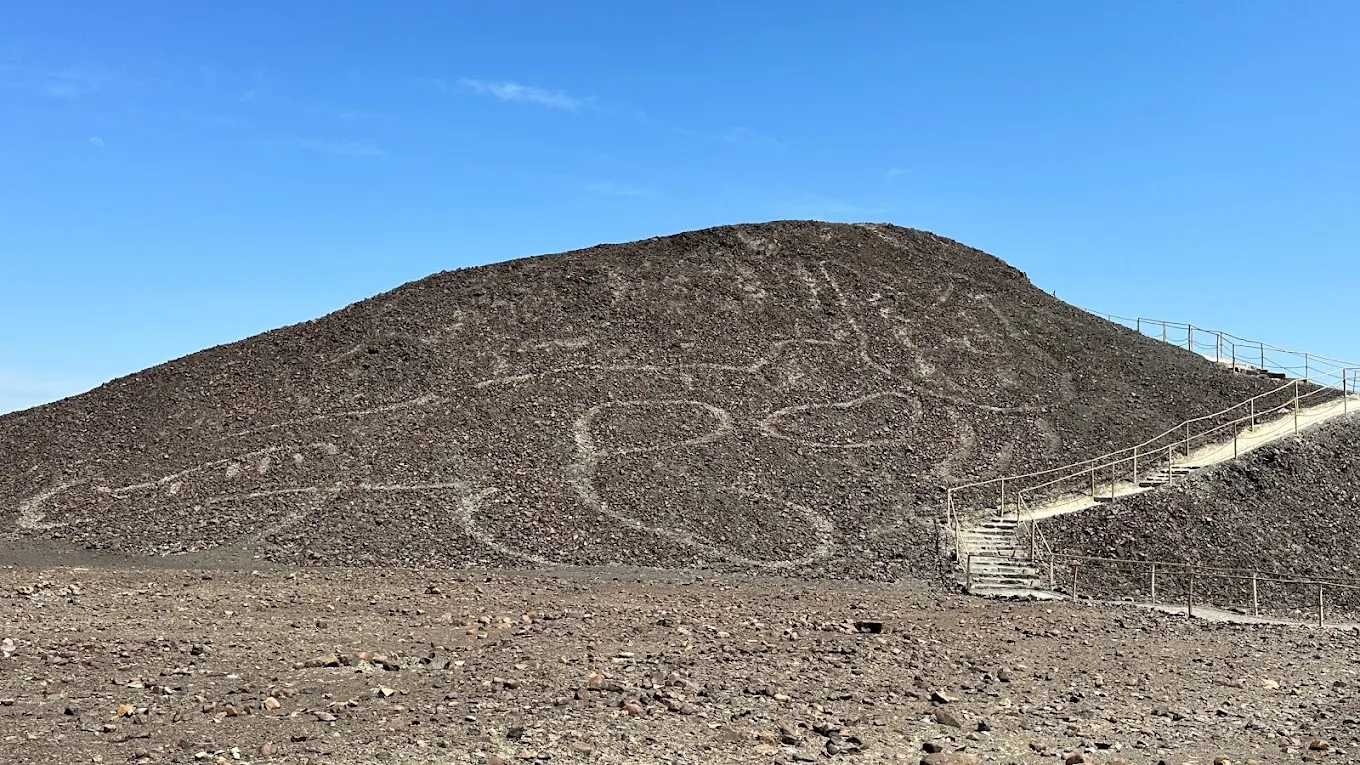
1186, 440
1312, 374
1227, 336
1118, 456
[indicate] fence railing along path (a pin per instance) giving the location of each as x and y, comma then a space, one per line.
1232, 594
1321, 388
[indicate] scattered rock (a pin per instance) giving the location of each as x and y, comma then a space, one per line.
948, 718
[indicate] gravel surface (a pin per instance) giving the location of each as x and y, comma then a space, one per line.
350, 666
782, 398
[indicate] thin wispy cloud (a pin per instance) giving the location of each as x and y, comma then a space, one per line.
97, 142
525, 94
613, 189
893, 173
345, 148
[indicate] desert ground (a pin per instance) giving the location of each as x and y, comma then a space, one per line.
119, 663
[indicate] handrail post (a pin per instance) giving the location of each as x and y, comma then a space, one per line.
1164, 332
958, 543
1253, 414
1134, 472
1218, 353
968, 574
1154, 584
1093, 481
1033, 538
1190, 597
1296, 407
1263, 355
1002, 509
1138, 323
1345, 397
1255, 598
1305, 367
1233, 347
1190, 337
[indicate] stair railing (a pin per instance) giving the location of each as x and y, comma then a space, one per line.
1130, 463
1227, 348
1175, 448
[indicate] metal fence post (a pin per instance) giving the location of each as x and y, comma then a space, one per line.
1052, 580
1134, 472
1296, 407
1033, 538
1218, 353
1189, 337
1253, 414
1263, 355
1093, 482
1305, 367
1255, 599
1321, 586
1154, 584
1113, 478
1190, 597
968, 574
1003, 496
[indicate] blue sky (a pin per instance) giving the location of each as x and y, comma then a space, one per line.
174, 175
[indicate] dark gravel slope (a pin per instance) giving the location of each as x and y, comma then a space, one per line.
780, 397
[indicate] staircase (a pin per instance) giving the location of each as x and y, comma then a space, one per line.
995, 527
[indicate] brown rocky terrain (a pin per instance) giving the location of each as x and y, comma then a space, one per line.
332, 667
782, 398
1291, 508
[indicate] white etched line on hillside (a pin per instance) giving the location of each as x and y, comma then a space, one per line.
345, 354
582, 478
329, 448
810, 281
468, 506
863, 338
31, 514
769, 427
426, 400
397, 487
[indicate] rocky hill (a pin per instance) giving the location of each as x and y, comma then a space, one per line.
781, 397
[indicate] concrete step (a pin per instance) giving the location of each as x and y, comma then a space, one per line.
1004, 584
